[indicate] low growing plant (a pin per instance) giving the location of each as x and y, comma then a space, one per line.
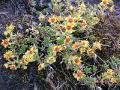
69, 35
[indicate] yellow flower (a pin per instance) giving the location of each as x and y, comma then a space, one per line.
113, 80
57, 48
67, 40
84, 44
91, 52
97, 45
109, 75
82, 50
52, 19
79, 75
27, 58
77, 60
41, 66
9, 29
75, 45
51, 59
8, 55
110, 72
5, 42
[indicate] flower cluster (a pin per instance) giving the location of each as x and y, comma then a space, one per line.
72, 48
11, 54
109, 75
29, 55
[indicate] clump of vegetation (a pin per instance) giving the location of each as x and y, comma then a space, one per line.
68, 36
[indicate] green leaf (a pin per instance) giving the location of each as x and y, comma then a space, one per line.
94, 68
87, 70
22, 49
47, 41
12, 46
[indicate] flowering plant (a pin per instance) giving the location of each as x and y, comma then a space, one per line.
69, 35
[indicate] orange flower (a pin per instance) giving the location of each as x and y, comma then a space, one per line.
105, 2
57, 48
79, 75
12, 67
67, 40
31, 50
69, 26
70, 19
52, 19
77, 60
113, 80
75, 45
5, 42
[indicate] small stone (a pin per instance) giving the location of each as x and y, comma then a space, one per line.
98, 88
20, 26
